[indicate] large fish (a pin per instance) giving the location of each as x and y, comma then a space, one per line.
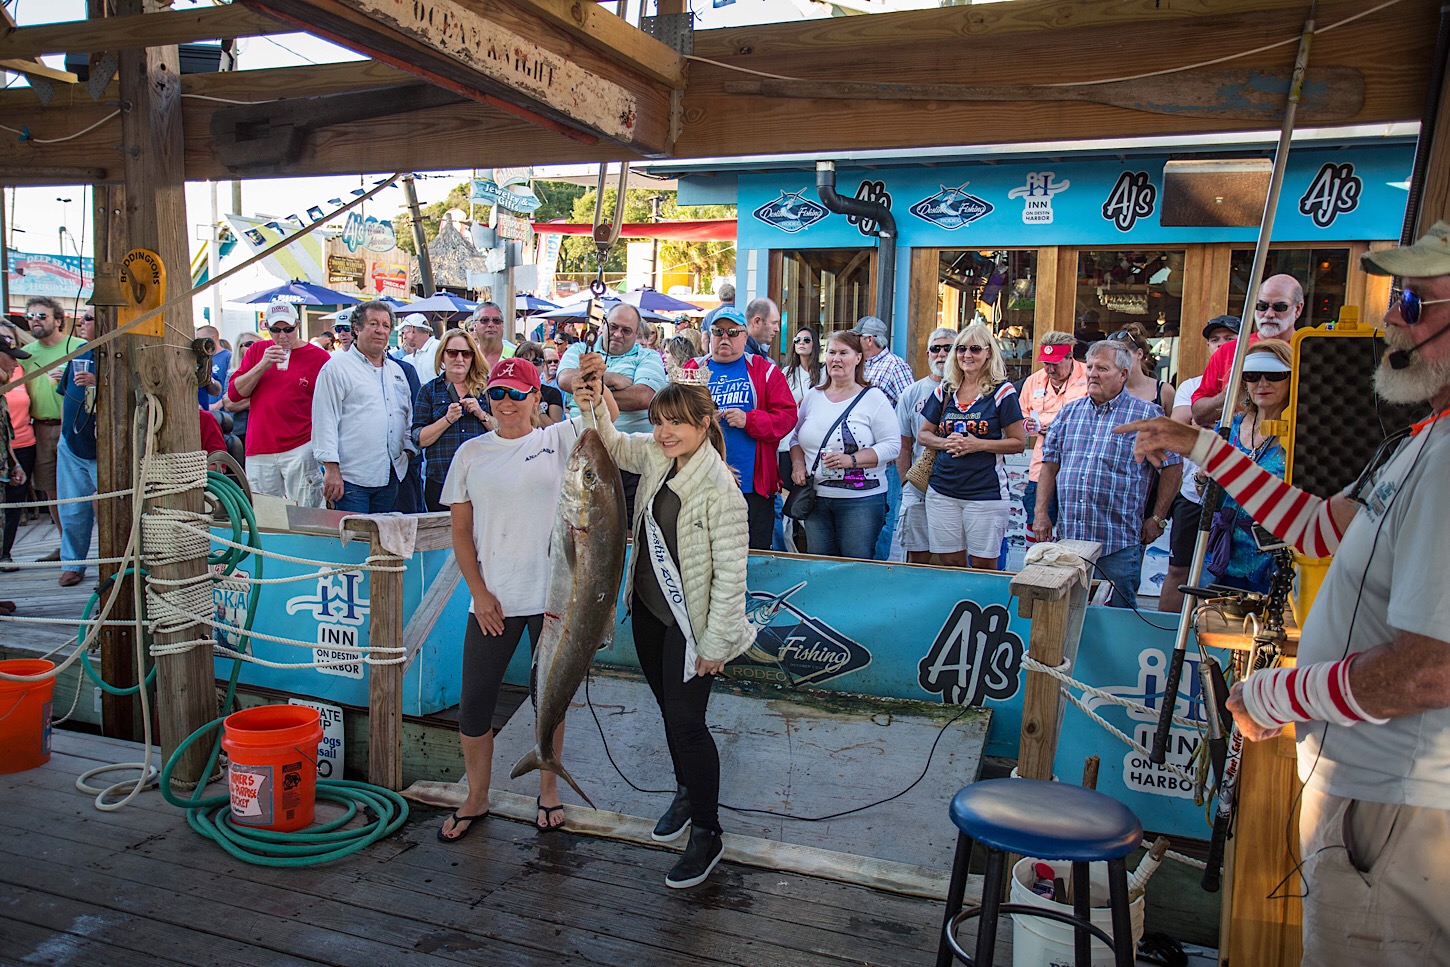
586, 562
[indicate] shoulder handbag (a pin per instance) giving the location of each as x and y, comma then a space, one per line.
802, 499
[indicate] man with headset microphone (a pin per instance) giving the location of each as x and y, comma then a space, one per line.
1370, 696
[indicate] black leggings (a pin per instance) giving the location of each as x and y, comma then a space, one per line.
14, 494
682, 704
485, 659
433, 496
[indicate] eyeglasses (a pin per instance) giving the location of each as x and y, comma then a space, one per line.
276, 329
1411, 304
497, 393
342, 328
803, 339
725, 333
1271, 377
37, 315
1123, 335
1262, 306
88, 317
497, 319
974, 349
458, 353
938, 350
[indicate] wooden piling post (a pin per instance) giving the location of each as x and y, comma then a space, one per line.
385, 682
152, 154
1055, 599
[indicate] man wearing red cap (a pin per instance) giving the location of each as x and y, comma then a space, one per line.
1061, 380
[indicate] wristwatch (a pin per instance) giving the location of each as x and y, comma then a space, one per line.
854, 461
1160, 521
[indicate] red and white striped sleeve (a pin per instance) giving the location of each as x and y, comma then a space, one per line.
1301, 519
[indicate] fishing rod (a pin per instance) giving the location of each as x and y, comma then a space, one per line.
1158, 752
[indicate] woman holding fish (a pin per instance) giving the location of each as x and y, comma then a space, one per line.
685, 587
502, 489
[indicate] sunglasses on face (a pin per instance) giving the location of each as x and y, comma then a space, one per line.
276, 329
493, 319
725, 333
88, 318
1411, 304
804, 339
458, 353
1271, 377
938, 350
974, 349
1262, 306
37, 315
497, 393
342, 328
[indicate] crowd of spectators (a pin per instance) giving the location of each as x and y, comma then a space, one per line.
369, 416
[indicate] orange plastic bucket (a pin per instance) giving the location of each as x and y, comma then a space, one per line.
273, 771
25, 715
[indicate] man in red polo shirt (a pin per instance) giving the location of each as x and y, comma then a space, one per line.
279, 377
1281, 303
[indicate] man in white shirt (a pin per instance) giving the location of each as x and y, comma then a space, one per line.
356, 391
420, 346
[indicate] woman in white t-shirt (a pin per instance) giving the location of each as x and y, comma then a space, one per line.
854, 453
502, 490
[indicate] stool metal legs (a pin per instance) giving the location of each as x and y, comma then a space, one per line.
956, 890
1082, 909
1123, 944
991, 908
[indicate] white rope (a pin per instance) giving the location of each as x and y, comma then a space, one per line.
7, 505
1059, 673
228, 652
1186, 860
88, 562
361, 650
366, 565
73, 622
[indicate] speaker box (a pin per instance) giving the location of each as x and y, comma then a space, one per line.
1336, 420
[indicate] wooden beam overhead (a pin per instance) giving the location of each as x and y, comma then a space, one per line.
139, 30
498, 53
1391, 50
32, 68
608, 34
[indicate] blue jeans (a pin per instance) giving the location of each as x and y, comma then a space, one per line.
75, 477
1029, 504
369, 500
1125, 569
845, 526
777, 537
893, 511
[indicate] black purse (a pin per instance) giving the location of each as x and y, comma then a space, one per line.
802, 500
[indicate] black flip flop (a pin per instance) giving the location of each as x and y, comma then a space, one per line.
470, 820
548, 811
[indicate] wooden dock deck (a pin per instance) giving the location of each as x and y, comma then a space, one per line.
137, 886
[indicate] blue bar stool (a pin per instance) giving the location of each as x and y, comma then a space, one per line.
1049, 821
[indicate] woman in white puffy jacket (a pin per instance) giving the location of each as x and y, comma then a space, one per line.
685, 587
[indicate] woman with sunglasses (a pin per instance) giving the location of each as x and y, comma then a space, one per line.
450, 410
972, 420
845, 438
1234, 557
1143, 381
690, 517
502, 491
803, 370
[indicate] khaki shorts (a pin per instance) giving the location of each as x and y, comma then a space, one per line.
1375, 883
47, 438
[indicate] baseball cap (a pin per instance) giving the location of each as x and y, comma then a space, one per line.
725, 314
514, 373
7, 346
871, 326
1231, 323
1429, 256
1054, 354
1265, 363
417, 320
343, 318
281, 312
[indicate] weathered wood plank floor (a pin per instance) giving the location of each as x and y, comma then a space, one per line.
137, 886
37, 593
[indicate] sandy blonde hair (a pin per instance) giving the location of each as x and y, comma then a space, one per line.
993, 374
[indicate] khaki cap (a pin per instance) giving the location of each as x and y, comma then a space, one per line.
1428, 257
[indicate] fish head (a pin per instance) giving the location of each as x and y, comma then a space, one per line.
592, 495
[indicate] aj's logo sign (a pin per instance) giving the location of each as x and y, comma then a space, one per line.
974, 657
951, 208
792, 212
1334, 191
871, 192
792, 647
1131, 199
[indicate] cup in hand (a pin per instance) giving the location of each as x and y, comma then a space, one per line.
282, 363
82, 365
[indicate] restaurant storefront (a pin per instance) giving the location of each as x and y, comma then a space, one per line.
1081, 245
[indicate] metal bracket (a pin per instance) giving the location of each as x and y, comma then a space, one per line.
675, 30
44, 89
101, 73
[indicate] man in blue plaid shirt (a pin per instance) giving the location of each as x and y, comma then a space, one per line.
1102, 491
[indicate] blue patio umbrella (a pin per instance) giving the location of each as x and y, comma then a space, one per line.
443, 302
530, 303
576, 311
647, 298
301, 293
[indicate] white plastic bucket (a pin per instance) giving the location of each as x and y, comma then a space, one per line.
1039, 942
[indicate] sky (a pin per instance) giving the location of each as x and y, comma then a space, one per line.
53, 220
